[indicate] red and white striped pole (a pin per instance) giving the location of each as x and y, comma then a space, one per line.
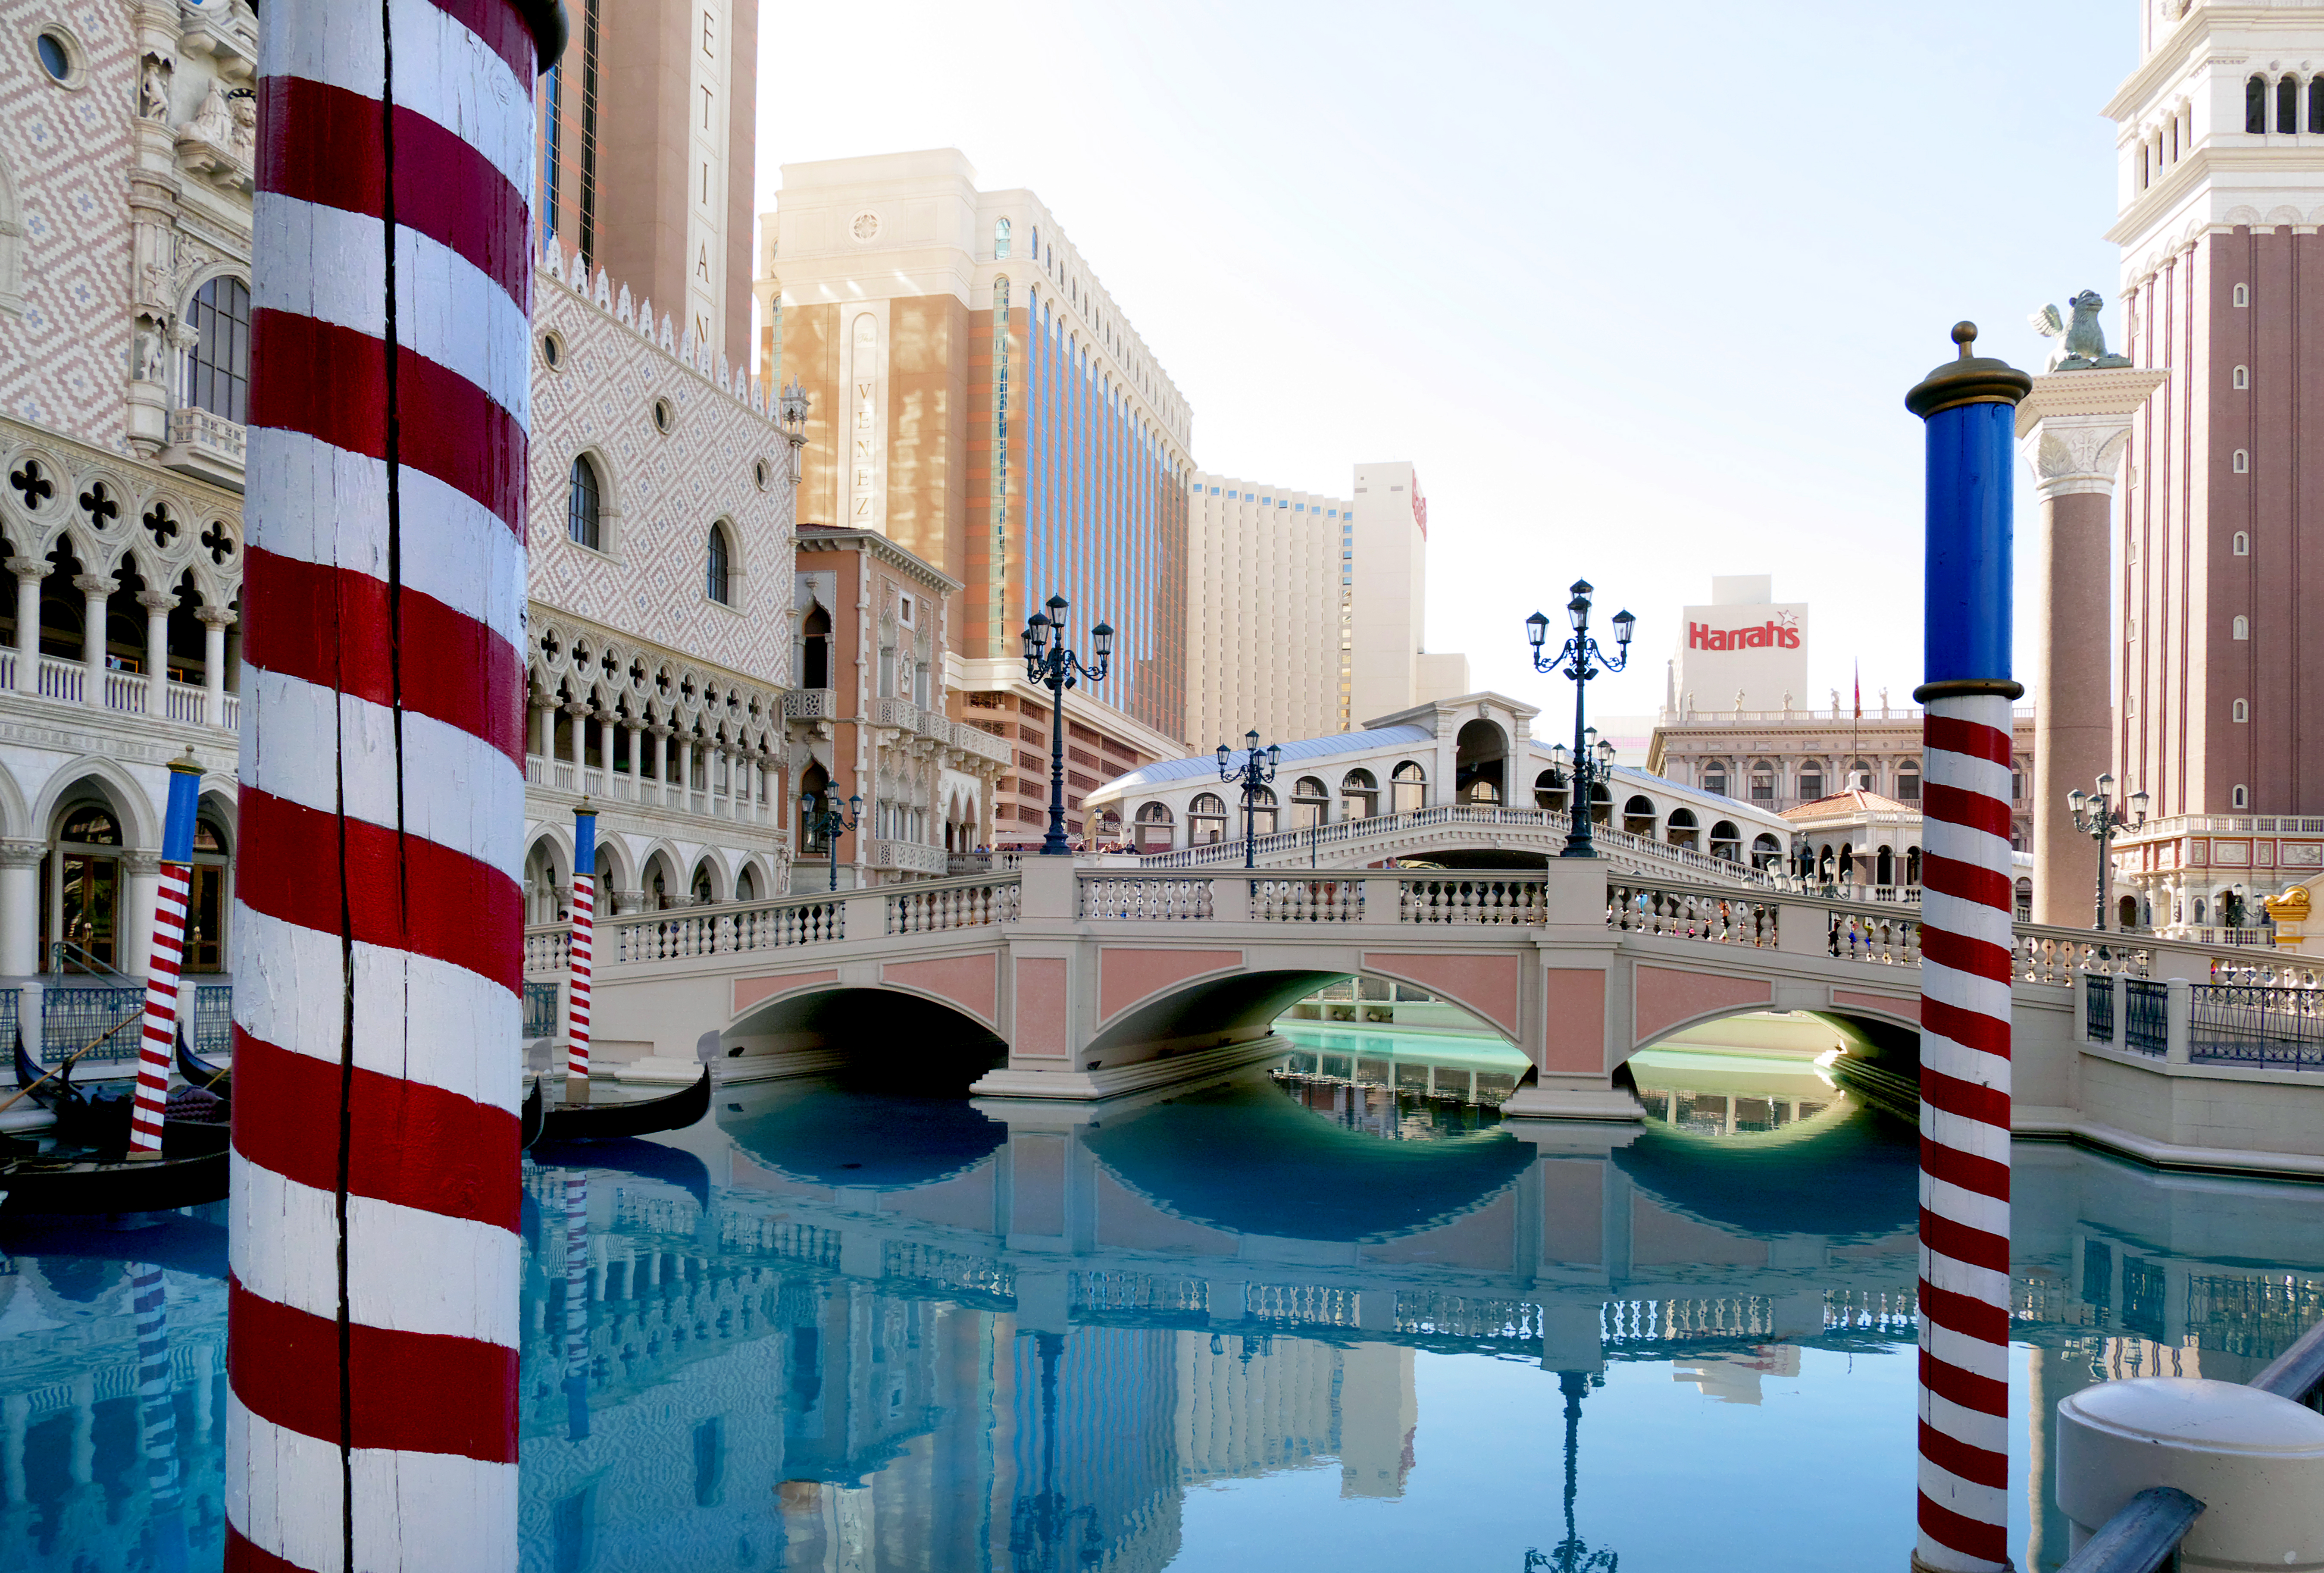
157, 1051
584, 913
577, 1305
1967, 956
373, 1253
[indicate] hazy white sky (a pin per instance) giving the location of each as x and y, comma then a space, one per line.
1639, 289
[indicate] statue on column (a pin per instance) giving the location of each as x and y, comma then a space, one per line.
2081, 341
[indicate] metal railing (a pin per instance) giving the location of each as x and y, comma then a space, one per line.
540, 1009
2097, 1012
2247, 1025
2147, 1006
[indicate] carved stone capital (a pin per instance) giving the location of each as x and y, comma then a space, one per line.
142, 864
2071, 427
91, 583
217, 616
156, 600
22, 854
28, 568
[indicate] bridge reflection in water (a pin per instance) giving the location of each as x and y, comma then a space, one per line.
832, 1329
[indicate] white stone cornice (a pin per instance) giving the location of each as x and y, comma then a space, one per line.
2072, 426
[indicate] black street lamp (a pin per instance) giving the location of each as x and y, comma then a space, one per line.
830, 824
2096, 816
1592, 762
1050, 665
1256, 771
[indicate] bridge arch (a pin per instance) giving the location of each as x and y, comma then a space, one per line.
816, 1011
1669, 1000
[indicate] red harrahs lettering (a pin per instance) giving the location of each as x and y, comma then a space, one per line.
1768, 635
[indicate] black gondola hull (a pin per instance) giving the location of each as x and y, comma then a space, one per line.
38, 1186
598, 1122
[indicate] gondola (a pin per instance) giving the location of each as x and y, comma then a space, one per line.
528, 1117
101, 1123
199, 1072
596, 1121
34, 1186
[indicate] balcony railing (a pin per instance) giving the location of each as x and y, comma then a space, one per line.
205, 445
808, 705
125, 693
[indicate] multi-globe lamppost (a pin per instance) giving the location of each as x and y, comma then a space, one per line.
1581, 659
1054, 667
830, 824
1255, 772
2097, 817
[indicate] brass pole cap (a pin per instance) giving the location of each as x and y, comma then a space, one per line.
1968, 379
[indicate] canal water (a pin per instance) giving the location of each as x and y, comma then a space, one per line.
1336, 1316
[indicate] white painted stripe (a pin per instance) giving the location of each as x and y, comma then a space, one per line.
458, 82
1946, 1057
1979, 1283
1967, 773
1979, 849
415, 1017
283, 1487
1963, 1135
1965, 991
447, 308
283, 1241
458, 791
1987, 1431
1970, 920
319, 504
1986, 1505
1966, 1206
412, 1510
1978, 1357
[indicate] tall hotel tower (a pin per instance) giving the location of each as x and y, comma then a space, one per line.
979, 398
2221, 702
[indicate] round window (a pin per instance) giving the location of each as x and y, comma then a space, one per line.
759, 474
54, 58
552, 351
662, 416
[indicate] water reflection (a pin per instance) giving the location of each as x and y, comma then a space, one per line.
834, 1329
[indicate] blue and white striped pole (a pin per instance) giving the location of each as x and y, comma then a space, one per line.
1966, 959
158, 1049
581, 952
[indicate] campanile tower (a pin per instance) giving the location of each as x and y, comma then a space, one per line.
2220, 607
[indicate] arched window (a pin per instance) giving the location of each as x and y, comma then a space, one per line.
1681, 827
1812, 779
2243, 709
1762, 780
1207, 818
1727, 841
1908, 782
715, 580
1262, 811
1847, 864
1883, 867
1766, 852
1911, 866
1638, 816
2243, 543
815, 649
2243, 295
1311, 802
2242, 797
2287, 104
1000, 239
2025, 901
2255, 105
1714, 777
1408, 788
1601, 804
702, 891
2315, 107
581, 502
218, 368
2241, 464
2242, 626
1860, 774
1358, 795
1156, 830
1549, 791
2242, 378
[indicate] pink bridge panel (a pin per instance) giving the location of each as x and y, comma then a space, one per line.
1667, 996
1487, 985
1573, 1013
749, 991
1909, 1008
1126, 976
1043, 1025
971, 982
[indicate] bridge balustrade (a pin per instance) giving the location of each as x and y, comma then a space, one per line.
1681, 913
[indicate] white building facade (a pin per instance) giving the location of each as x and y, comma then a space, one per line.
1269, 611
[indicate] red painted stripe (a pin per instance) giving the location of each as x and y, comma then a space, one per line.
320, 144
403, 893
413, 1392
1968, 882
1970, 1029
501, 29
1972, 1101
242, 1557
1972, 1318
1979, 1466
329, 383
1952, 735
1982, 1394
1950, 1237
333, 627
1977, 957
1956, 806
411, 1143
1984, 1175
1987, 1543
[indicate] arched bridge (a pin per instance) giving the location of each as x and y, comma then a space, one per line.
1099, 981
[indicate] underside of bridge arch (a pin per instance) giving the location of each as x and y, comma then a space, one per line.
1880, 1050
1235, 1008
881, 1029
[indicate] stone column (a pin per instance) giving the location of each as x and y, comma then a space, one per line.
215, 620
20, 908
579, 712
141, 887
29, 572
158, 604
2071, 429
94, 589
661, 747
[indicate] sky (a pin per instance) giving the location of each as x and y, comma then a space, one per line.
1638, 288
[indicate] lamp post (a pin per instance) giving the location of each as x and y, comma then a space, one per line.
1050, 663
1592, 761
2096, 816
1256, 771
830, 824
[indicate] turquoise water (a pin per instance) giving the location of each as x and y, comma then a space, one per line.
1269, 1324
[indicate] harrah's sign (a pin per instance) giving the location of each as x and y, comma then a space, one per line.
1781, 633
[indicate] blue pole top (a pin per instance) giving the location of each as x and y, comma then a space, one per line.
1969, 404
584, 841
178, 818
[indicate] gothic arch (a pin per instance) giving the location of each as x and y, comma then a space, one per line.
131, 800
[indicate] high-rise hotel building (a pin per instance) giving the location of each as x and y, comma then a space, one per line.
2221, 607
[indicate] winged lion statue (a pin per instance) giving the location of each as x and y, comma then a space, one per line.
2081, 341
